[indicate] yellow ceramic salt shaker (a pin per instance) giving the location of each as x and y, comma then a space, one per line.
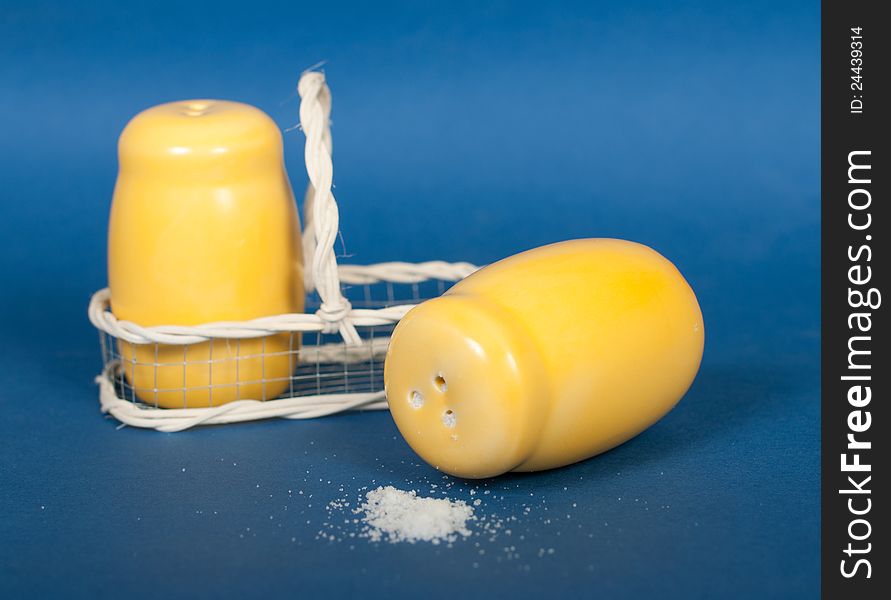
204, 228
545, 358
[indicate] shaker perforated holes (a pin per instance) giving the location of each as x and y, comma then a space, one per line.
415, 399
440, 383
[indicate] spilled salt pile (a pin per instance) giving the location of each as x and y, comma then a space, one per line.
399, 516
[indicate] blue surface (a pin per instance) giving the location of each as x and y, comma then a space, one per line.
465, 130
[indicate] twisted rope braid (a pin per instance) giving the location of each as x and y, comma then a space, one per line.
315, 111
323, 99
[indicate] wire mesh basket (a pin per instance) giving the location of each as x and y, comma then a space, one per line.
333, 355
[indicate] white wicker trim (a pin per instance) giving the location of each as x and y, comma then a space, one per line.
322, 274
179, 419
403, 272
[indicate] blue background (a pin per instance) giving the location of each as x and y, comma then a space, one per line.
463, 131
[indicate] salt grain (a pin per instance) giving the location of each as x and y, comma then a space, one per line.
401, 516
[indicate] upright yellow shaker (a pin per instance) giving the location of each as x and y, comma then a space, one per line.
204, 228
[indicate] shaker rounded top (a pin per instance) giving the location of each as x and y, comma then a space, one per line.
195, 133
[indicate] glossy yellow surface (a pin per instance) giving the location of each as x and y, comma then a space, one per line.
545, 358
204, 228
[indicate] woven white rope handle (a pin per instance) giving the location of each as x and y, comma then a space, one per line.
321, 262
309, 233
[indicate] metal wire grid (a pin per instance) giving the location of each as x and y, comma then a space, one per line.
155, 375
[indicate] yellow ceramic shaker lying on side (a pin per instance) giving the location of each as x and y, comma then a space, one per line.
545, 358
204, 228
